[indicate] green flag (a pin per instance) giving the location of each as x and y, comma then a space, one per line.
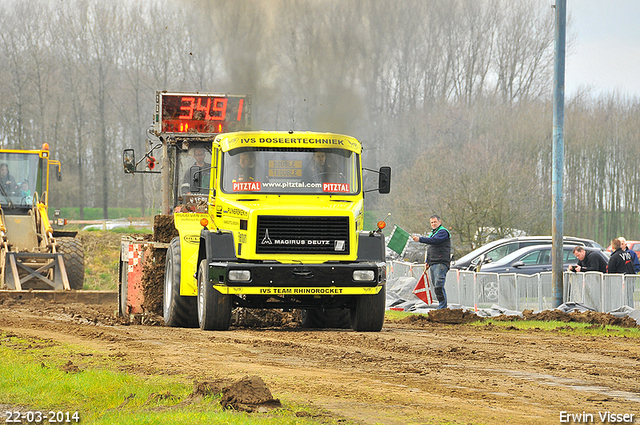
398, 239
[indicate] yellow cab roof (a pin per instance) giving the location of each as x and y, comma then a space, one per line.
286, 139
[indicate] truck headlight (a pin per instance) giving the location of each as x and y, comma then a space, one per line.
239, 275
364, 275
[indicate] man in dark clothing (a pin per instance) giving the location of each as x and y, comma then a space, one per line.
620, 261
246, 167
199, 154
318, 170
588, 261
634, 256
438, 257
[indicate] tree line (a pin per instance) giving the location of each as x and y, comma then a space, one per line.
455, 95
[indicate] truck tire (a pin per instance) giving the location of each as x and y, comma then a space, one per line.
178, 310
214, 308
337, 318
367, 315
73, 256
123, 290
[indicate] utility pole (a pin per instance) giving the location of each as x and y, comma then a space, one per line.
557, 177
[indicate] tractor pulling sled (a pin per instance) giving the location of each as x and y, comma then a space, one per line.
261, 219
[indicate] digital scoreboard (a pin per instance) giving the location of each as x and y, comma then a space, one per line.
201, 113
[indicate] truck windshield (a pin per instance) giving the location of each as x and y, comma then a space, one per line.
18, 178
319, 171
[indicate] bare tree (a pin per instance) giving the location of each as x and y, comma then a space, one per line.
524, 50
17, 65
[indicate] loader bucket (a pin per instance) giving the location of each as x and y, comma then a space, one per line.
31, 270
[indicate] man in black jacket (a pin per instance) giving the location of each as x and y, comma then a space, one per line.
588, 261
620, 261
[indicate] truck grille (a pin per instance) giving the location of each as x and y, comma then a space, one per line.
302, 235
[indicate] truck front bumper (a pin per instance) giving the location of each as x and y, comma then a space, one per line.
333, 279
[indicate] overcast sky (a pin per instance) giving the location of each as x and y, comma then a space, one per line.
606, 55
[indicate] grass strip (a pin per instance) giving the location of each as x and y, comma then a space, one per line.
37, 376
575, 328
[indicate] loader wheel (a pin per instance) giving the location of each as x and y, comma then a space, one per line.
178, 310
337, 318
73, 255
214, 308
367, 314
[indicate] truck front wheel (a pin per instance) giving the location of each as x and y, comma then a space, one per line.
178, 310
367, 314
214, 308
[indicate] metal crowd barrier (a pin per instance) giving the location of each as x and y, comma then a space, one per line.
602, 292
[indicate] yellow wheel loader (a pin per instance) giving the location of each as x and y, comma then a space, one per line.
33, 255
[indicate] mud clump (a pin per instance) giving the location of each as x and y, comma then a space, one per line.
591, 317
69, 367
152, 280
164, 228
416, 321
456, 317
266, 318
146, 319
250, 394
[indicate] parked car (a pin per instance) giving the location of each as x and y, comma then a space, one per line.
496, 250
535, 259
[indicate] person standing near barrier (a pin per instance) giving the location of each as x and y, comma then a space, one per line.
588, 261
634, 256
620, 261
438, 256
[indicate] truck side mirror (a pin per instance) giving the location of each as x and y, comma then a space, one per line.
384, 180
129, 161
59, 174
195, 177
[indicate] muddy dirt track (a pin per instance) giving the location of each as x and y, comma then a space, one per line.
411, 372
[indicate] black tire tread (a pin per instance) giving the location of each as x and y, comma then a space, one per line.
123, 289
72, 252
367, 314
181, 309
217, 307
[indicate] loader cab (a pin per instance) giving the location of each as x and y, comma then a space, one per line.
21, 179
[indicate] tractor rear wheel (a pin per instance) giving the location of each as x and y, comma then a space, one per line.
178, 310
73, 255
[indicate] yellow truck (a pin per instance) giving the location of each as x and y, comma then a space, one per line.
267, 219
